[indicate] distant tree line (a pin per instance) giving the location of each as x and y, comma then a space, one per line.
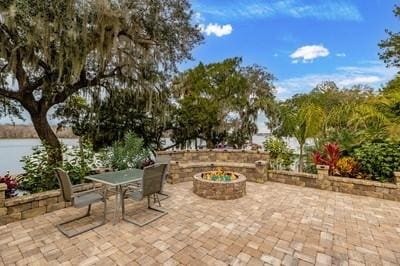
29, 132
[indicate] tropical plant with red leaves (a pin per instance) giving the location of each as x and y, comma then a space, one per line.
11, 183
330, 156
317, 158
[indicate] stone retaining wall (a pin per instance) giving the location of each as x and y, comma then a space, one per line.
216, 155
185, 164
23, 207
390, 191
183, 173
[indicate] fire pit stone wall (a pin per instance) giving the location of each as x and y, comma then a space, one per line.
219, 190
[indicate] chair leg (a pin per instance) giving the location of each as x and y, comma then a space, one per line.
165, 195
158, 199
105, 210
123, 205
105, 204
62, 229
88, 210
161, 214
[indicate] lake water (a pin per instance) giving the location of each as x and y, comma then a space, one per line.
12, 151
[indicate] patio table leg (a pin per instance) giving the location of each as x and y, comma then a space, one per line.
117, 199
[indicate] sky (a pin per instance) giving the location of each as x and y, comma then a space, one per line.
301, 42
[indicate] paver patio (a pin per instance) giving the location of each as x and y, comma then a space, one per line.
274, 224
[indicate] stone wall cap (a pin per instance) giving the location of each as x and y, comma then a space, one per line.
212, 150
45, 195
296, 174
217, 164
362, 182
33, 197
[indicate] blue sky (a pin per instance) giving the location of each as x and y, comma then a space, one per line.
301, 42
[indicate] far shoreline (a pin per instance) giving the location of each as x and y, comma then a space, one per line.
33, 138
10, 131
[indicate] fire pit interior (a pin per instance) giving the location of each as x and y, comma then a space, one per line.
219, 185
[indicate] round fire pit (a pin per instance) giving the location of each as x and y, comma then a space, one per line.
219, 189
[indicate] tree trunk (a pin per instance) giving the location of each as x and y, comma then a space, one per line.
301, 164
47, 136
250, 137
210, 144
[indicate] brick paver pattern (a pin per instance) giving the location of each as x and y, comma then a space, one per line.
273, 224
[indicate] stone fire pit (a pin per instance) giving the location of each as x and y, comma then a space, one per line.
219, 190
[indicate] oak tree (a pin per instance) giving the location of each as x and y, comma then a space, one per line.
50, 50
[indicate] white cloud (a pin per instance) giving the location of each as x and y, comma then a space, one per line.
216, 29
372, 73
275, 54
280, 90
198, 18
340, 54
359, 80
309, 52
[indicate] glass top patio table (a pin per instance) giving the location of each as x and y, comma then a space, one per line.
117, 178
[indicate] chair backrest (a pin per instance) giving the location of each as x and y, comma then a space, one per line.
65, 184
152, 179
164, 159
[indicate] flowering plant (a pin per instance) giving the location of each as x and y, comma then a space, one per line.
11, 183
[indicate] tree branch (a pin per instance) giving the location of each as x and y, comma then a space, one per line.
83, 82
20, 73
33, 86
141, 41
11, 94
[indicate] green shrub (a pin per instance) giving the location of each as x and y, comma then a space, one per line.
79, 162
39, 174
128, 153
281, 156
379, 160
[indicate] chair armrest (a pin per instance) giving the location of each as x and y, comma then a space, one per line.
134, 186
101, 190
